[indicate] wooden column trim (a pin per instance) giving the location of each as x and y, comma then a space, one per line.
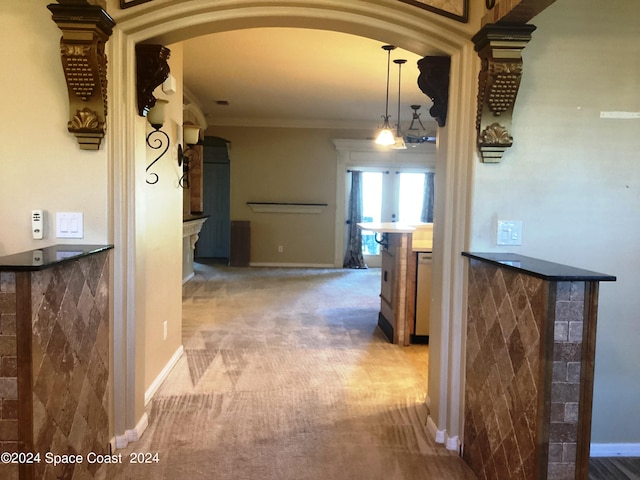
85, 31
545, 381
434, 83
25, 370
587, 369
500, 49
152, 68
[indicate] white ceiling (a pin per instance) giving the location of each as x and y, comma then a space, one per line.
299, 77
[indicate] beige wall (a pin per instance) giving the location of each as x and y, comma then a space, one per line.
42, 165
573, 179
285, 165
161, 239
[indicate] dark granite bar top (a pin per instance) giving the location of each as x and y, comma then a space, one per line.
550, 271
194, 216
47, 257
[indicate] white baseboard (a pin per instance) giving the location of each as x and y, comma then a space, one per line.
155, 385
438, 435
452, 443
615, 450
129, 436
188, 277
292, 265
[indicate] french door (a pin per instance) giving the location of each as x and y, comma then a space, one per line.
394, 195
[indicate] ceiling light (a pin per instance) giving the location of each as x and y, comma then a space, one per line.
398, 143
417, 135
385, 137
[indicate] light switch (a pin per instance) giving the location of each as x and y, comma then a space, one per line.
69, 225
509, 232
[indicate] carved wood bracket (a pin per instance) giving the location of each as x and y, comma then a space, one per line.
434, 83
500, 49
152, 69
85, 31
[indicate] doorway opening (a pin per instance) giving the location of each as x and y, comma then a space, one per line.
390, 196
175, 21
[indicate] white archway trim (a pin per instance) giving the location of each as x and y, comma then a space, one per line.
192, 105
385, 20
388, 21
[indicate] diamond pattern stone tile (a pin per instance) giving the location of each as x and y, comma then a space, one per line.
70, 343
525, 364
502, 371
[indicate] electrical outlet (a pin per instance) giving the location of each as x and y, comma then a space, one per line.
69, 225
164, 326
509, 232
280, 248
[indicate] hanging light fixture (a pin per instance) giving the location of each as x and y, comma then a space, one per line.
190, 136
398, 143
417, 135
386, 137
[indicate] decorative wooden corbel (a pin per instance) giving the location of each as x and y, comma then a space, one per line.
85, 29
434, 83
500, 49
152, 69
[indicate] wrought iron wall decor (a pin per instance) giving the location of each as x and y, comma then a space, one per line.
157, 139
500, 49
85, 31
434, 83
455, 9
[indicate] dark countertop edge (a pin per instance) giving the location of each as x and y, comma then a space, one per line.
290, 203
539, 268
194, 217
51, 256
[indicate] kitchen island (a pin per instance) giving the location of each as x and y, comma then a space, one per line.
400, 245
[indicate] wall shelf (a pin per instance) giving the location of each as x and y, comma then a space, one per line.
276, 207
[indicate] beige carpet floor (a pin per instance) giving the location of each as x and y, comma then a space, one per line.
285, 376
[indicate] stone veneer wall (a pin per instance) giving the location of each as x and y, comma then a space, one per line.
527, 415
65, 407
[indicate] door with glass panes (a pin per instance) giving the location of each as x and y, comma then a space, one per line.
394, 195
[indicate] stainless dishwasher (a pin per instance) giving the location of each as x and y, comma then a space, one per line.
423, 298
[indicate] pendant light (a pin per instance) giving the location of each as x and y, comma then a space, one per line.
417, 135
385, 137
398, 143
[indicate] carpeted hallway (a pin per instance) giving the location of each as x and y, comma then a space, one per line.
286, 377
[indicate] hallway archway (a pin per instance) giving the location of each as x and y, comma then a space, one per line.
387, 21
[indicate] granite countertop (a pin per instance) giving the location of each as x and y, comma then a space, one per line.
539, 268
190, 218
386, 227
47, 257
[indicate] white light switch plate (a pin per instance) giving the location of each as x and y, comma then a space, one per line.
509, 232
69, 225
